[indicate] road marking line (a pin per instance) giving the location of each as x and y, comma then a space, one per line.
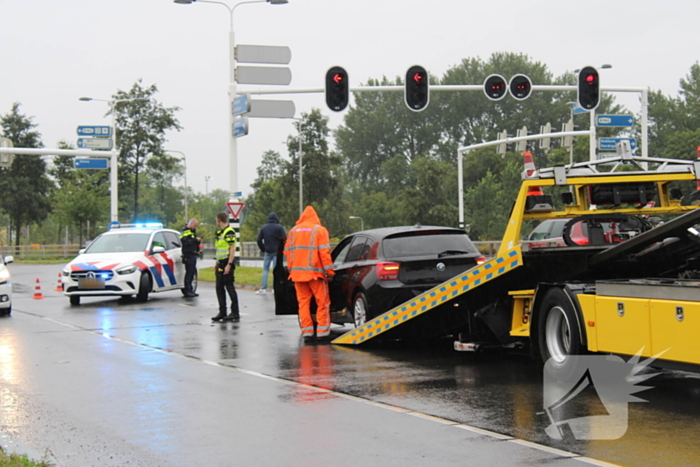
432, 418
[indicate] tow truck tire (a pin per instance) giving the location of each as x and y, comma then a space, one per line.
359, 309
74, 300
144, 287
559, 335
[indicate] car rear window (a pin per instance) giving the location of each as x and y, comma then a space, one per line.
426, 244
119, 243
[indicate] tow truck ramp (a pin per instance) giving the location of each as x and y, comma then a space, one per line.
465, 283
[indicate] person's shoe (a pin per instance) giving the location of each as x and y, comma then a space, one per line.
232, 318
261, 292
309, 339
324, 339
191, 295
219, 317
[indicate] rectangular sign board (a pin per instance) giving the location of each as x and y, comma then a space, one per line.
610, 144
614, 120
279, 55
241, 104
263, 75
91, 130
579, 110
240, 127
91, 163
95, 143
261, 108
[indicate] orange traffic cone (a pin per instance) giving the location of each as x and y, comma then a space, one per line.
529, 170
59, 284
37, 290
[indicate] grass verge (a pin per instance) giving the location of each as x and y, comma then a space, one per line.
243, 275
19, 460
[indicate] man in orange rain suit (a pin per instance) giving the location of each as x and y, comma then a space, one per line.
308, 254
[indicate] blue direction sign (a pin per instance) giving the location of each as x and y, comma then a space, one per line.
614, 120
95, 143
240, 127
610, 144
579, 110
91, 130
241, 104
91, 163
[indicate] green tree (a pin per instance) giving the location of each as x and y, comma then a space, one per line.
80, 197
674, 129
141, 126
25, 185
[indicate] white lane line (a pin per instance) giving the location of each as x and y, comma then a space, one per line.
425, 416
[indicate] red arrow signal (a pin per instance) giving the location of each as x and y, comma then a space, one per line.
337, 78
418, 77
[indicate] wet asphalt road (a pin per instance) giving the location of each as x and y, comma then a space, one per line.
114, 383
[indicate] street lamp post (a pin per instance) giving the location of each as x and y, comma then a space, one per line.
113, 180
206, 185
233, 143
301, 170
362, 223
184, 160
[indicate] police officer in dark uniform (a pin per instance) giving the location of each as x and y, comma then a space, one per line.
190, 252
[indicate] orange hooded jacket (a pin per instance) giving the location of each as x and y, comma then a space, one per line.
308, 249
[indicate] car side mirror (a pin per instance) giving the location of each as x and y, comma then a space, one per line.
81, 251
9, 259
158, 249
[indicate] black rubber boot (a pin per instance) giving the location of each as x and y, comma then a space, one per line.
219, 317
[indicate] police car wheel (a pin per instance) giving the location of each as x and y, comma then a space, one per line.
144, 287
74, 299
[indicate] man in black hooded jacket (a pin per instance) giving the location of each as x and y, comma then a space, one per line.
269, 238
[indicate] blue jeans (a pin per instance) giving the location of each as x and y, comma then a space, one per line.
267, 259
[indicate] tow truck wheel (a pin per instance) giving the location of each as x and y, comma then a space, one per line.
144, 287
74, 299
559, 335
359, 309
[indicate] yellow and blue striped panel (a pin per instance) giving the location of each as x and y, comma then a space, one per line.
434, 297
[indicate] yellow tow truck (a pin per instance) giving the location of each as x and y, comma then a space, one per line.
627, 287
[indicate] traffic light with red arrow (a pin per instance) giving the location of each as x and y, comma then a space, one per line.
588, 88
337, 89
417, 88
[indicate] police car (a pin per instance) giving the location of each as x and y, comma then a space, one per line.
5, 286
128, 260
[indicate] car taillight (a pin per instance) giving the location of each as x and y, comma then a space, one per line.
480, 260
388, 271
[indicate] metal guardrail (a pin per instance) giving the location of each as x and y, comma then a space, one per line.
38, 251
249, 250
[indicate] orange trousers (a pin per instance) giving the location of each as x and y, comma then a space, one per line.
317, 289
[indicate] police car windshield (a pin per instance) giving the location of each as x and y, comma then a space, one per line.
119, 243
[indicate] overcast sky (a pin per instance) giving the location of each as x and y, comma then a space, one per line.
53, 52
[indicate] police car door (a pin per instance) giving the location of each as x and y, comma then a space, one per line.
174, 251
164, 274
